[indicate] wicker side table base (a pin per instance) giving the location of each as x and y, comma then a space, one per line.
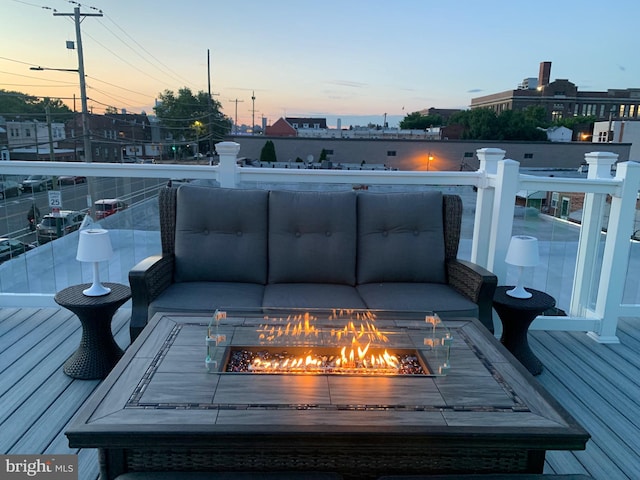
98, 352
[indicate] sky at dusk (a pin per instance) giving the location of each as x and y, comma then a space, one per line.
349, 59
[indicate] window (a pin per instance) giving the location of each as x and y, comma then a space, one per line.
328, 152
554, 199
27, 132
468, 154
305, 125
391, 153
528, 155
316, 126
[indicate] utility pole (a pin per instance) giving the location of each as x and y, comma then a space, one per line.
210, 104
236, 120
253, 112
210, 100
88, 156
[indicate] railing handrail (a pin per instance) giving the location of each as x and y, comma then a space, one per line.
497, 180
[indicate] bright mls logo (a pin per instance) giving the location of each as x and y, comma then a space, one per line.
50, 467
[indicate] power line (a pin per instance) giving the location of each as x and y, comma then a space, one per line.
145, 50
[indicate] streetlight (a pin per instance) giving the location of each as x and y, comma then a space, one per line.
429, 158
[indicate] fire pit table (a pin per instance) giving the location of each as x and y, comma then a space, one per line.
359, 393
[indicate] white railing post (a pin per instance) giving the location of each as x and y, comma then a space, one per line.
489, 158
502, 218
600, 164
228, 168
616, 252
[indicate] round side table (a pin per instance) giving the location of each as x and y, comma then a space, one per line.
516, 315
98, 351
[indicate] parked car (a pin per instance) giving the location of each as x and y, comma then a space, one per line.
54, 225
71, 179
109, 206
10, 248
9, 188
37, 183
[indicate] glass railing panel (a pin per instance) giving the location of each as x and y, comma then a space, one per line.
539, 214
50, 265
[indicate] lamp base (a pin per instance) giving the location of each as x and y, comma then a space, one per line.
96, 290
519, 292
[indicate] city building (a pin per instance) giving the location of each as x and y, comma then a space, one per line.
116, 137
619, 131
34, 140
562, 99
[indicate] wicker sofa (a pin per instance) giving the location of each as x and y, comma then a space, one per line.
237, 248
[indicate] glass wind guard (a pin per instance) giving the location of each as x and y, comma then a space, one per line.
332, 342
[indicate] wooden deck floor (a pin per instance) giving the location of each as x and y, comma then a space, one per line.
598, 384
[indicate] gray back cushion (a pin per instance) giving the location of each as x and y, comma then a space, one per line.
221, 235
400, 237
312, 237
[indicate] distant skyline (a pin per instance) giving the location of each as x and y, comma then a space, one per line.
346, 59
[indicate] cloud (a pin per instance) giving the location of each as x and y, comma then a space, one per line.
347, 83
475, 90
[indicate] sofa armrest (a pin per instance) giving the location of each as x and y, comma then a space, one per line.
147, 280
476, 283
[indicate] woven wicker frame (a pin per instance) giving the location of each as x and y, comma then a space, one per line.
154, 274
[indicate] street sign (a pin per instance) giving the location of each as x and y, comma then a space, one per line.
55, 200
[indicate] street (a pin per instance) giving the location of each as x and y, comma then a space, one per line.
13, 211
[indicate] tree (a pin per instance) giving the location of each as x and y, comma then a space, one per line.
16, 104
109, 110
417, 121
268, 153
189, 117
484, 124
323, 155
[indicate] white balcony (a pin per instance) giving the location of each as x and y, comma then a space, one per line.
590, 273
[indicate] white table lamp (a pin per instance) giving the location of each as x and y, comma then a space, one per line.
94, 246
522, 252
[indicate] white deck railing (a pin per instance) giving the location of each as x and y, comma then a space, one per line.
497, 182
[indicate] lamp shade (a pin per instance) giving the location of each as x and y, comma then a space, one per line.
94, 245
523, 251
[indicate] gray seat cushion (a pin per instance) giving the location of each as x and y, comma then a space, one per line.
312, 237
221, 235
400, 238
417, 297
311, 295
187, 297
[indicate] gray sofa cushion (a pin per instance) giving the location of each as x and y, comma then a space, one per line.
312, 237
221, 235
187, 297
400, 238
311, 295
417, 297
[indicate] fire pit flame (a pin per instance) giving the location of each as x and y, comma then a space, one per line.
350, 343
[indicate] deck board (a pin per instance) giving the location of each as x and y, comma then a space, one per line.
598, 384
38, 399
